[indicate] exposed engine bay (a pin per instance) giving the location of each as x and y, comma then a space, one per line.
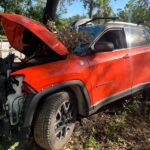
13, 97
39, 46
11, 93
12, 100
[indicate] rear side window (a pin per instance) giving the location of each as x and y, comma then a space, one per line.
147, 32
135, 37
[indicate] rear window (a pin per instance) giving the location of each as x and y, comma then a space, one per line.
135, 37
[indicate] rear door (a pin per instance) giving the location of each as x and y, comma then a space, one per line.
139, 51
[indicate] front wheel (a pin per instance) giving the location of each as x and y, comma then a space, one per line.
55, 121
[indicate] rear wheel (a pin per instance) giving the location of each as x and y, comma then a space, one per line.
55, 121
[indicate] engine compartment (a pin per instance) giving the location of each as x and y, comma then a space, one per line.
14, 98
39, 47
11, 96
11, 92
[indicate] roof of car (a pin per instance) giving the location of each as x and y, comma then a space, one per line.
122, 24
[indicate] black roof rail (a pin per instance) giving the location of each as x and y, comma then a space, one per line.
102, 18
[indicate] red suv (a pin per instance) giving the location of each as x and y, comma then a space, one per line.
45, 93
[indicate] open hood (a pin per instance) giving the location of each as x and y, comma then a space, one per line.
15, 27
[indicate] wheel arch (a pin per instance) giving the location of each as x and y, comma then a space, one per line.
77, 88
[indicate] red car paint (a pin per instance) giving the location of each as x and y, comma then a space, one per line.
47, 75
14, 26
103, 74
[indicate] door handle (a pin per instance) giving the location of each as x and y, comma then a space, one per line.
126, 56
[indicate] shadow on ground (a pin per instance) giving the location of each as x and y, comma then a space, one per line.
123, 125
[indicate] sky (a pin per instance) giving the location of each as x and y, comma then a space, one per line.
77, 7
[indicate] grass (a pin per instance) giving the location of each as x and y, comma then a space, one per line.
92, 142
121, 126
3, 38
124, 125
14, 146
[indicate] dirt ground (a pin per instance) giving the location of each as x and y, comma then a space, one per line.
123, 125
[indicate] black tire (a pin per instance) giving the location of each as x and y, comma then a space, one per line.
50, 112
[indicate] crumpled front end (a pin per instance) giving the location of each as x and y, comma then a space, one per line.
15, 96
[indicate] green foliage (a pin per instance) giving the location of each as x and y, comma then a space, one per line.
29, 8
92, 142
60, 23
35, 9
75, 18
136, 11
14, 146
104, 8
90, 5
12, 6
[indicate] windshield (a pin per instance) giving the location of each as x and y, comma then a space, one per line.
90, 32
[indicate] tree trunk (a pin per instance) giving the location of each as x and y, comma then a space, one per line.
91, 6
50, 10
5, 6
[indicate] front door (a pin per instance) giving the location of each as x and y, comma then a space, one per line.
110, 70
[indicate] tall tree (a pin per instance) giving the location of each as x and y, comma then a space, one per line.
34, 9
50, 10
30, 8
90, 5
11, 5
136, 11
104, 8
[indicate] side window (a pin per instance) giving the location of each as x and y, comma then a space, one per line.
114, 36
147, 32
135, 37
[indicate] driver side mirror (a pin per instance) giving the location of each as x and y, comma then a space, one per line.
102, 47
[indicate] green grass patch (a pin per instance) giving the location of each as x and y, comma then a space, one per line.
92, 142
3, 38
14, 146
